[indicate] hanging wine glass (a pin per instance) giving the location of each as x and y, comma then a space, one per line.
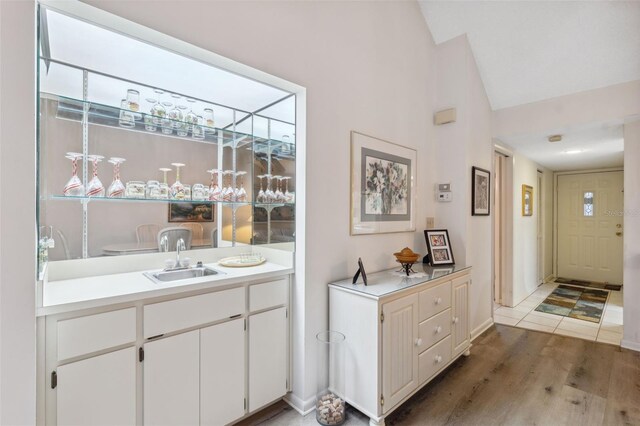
182, 127
197, 130
241, 193
215, 194
126, 118
158, 111
116, 189
269, 195
177, 189
228, 194
165, 121
278, 196
149, 119
164, 187
288, 196
209, 120
74, 187
190, 117
260, 198
95, 187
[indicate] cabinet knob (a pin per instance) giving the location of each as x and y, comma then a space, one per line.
418, 342
438, 359
438, 329
456, 320
438, 300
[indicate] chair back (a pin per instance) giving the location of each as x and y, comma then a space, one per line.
214, 238
197, 231
147, 233
173, 234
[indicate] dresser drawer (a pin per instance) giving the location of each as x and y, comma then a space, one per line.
269, 294
432, 360
435, 300
91, 333
435, 329
174, 315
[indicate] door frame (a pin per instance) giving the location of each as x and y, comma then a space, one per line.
506, 214
555, 206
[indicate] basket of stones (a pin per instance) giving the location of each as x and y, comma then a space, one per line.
330, 409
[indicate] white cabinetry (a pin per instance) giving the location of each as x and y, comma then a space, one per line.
205, 359
171, 380
100, 390
400, 333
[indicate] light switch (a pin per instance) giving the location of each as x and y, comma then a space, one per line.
431, 222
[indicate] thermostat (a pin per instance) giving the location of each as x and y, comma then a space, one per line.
443, 192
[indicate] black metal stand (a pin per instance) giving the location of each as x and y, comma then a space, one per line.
406, 267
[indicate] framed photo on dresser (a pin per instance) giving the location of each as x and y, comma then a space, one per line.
439, 247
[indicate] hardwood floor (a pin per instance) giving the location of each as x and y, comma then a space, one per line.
515, 377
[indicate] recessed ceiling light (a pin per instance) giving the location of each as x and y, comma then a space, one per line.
555, 138
573, 151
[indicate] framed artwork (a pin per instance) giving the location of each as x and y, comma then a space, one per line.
439, 247
480, 191
191, 212
383, 186
527, 200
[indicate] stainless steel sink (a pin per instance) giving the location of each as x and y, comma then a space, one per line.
180, 274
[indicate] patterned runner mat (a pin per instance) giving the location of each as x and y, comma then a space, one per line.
585, 304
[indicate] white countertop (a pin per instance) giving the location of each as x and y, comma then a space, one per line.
101, 290
386, 282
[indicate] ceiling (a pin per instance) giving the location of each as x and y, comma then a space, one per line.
528, 51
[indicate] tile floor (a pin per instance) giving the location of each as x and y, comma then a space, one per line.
523, 315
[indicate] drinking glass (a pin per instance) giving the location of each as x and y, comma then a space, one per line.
209, 120
241, 193
165, 120
199, 192
164, 187
260, 198
286, 145
177, 189
190, 117
215, 194
116, 189
182, 127
95, 187
288, 196
157, 109
133, 100
126, 116
269, 195
149, 119
198, 130
187, 192
74, 187
153, 190
135, 189
278, 196
228, 194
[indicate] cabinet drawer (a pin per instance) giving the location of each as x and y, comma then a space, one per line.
165, 317
269, 294
83, 335
435, 300
435, 329
432, 360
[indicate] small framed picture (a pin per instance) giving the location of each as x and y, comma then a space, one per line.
480, 191
439, 247
527, 200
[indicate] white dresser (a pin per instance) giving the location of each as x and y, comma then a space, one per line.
400, 333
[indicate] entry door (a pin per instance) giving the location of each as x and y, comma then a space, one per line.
590, 213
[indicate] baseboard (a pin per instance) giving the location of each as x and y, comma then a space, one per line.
298, 404
481, 328
628, 344
550, 278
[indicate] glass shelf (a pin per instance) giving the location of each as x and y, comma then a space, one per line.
109, 116
163, 201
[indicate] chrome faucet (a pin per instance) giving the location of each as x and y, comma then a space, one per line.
179, 246
164, 244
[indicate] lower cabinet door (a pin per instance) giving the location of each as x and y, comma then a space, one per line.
99, 390
171, 373
460, 315
222, 373
268, 350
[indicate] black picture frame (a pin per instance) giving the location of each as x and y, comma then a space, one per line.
439, 247
191, 212
480, 192
359, 272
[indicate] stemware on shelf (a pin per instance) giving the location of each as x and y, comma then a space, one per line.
152, 191
288, 196
74, 186
209, 120
158, 111
149, 119
228, 194
190, 117
182, 127
177, 189
241, 193
269, 195
215, 193
116, 189
260, 198
199, 192
127, 118
278, 196
286, 145
165, 121
164, 186
133, 100
95, 187
197, 130
135, 189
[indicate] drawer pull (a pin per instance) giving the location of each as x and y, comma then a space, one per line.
419, 341
456, 320
438, 330
438, 300
438, 359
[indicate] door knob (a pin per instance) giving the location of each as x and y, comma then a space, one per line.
619, 234
438, 359
438, 329
618, 225
418, 342
438, 300
456, 320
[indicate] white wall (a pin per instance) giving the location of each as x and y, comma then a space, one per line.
367, 66
17, 222
459, 146
631, 338
525, 231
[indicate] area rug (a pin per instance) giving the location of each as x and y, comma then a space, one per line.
607, 286
584, 304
